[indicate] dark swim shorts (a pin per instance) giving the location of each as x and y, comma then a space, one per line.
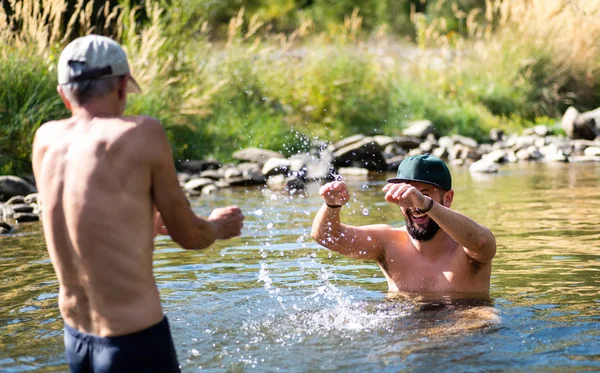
149, 350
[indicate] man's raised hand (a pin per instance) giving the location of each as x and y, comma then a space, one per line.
228, 221
335, 193
404, 195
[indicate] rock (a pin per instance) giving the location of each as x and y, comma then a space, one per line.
7, 211
276, 181
24, 217
245, 175
183, 177
348, 141
213, 174
22, 208
197, 184
276, 166
446, 142
419, 128
584, 158
5, 228
11, 186
353, 171
364, 154
497, 156
406, 142
426, 147
541, 130
523, 154
256, 155
393, 150
579, 146
384, 141
592, 151
496, 135
232, 173
521, 142
484, 166
534, 153
466, 141
394, 162
581, 126
197, 166
440, 152
33, 198
16, 200
209, 189
294, 183
568, 121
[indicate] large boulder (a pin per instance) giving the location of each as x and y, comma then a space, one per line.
419, 128
364, 154
11, 186
276, 166
581, 126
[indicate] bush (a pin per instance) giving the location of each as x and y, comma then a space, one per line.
28, 98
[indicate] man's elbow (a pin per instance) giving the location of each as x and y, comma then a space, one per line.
487, 248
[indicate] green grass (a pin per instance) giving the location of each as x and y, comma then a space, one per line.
279, 91
28, 98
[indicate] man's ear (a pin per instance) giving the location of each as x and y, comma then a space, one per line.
64, 98
448, 197
122, 88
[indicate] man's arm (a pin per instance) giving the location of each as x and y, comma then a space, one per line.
478, 241
187, 229
327, 229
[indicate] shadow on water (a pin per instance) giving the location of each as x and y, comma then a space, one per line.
273, 300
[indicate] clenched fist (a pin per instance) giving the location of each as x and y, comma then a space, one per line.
228, 220
405, 195
335, 193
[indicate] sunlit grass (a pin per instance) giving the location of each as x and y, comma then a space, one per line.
511, 64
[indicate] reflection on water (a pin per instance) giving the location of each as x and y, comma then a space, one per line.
273, 300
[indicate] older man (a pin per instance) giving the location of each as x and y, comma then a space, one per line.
100, 176
439, 250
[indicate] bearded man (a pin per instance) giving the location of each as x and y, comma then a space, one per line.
439, 250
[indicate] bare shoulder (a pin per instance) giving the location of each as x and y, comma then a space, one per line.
48, 132
144, 121
147, 128
381, 232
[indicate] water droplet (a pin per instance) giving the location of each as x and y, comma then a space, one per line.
365, 212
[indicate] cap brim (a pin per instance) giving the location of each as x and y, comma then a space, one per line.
132, 85
395, 180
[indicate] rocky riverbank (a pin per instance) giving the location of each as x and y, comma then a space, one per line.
356, 155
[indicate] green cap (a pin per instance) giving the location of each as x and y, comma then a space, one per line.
424, 168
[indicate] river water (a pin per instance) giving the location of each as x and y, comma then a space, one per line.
275, 301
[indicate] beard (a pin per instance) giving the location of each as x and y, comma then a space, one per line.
420, 233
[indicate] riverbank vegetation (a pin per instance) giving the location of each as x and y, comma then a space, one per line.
226, 75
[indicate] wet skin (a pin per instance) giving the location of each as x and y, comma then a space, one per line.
457, 258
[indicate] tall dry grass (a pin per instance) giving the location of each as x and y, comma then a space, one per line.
506, 66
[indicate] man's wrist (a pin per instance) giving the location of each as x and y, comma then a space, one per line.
428, 206
333, 206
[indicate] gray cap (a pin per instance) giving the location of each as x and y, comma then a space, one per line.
94, 57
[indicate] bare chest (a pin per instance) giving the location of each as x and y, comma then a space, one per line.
451, 272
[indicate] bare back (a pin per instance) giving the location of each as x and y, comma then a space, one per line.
94, 180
